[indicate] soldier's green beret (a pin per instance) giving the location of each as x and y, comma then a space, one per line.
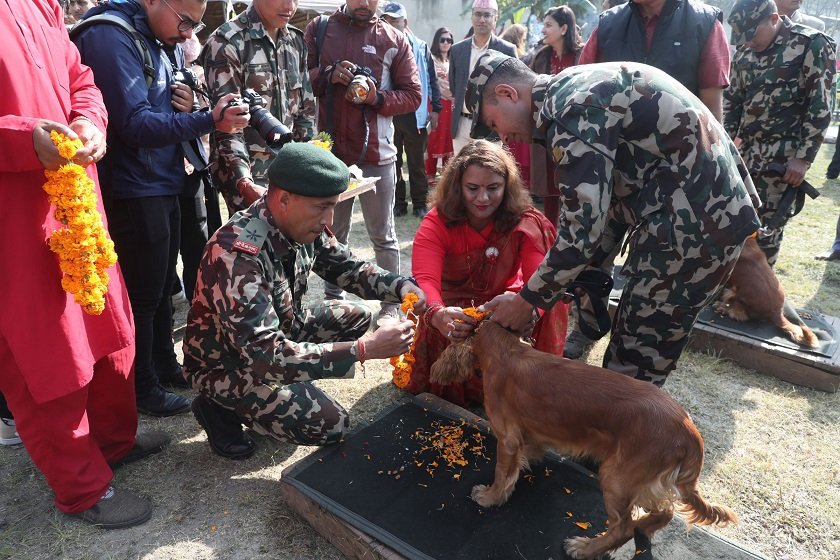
308, 170
484, 68
745, 17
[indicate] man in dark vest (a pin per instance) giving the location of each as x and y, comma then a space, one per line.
682, 37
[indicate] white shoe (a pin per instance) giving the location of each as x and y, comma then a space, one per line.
8, 433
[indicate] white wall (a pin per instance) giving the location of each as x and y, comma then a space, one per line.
426, 16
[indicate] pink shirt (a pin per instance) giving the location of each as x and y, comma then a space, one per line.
52, 341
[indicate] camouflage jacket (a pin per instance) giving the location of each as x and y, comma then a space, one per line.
634, 148
240, 55
248, 298
779, 100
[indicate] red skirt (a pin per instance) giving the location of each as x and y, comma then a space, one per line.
440, 139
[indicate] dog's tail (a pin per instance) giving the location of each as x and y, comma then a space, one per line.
697, 511
800, 334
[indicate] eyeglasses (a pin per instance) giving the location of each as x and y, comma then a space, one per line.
445, 40
484, 15
186, 24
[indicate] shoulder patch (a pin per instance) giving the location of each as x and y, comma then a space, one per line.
252, 237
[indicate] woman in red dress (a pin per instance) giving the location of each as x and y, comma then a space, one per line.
562, 46
482, 237
439, 145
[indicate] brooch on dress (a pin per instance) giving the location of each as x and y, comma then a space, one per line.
491, 253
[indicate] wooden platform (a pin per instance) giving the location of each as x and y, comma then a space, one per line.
674, 542
798, 367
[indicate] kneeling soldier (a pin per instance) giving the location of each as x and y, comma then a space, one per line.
250, 348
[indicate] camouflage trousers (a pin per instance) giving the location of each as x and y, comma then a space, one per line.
298, 412
658, 308
770, 190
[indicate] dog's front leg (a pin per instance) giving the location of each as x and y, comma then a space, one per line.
508, 463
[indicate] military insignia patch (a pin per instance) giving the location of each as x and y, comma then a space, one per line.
252, 237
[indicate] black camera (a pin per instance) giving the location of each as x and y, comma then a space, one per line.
275, 133
186, 77
359, 85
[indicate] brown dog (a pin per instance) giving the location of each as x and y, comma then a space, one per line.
650, 452
754, 292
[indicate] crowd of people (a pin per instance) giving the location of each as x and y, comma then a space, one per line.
650, 134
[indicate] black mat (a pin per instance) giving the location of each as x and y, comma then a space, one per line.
762, 331
382, 481
378, 481
766, 332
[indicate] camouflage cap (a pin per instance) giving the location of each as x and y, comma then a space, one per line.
308, 170
745, 17
484, 68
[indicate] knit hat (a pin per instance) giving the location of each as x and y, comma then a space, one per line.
745, 17
485, 5
308, 170
484, 68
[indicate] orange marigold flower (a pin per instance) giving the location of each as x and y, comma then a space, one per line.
83, 248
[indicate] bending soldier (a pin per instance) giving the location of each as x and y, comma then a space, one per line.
632, 147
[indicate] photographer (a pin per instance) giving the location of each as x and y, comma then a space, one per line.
142, 175
261, 51
353, 42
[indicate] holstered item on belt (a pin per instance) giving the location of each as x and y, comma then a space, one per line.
597, 285
793, 197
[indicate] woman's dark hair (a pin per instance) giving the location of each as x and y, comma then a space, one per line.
436, 41
564, 15
449, 201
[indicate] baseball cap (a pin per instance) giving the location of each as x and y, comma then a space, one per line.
394, 10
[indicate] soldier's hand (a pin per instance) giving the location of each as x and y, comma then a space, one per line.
343, 73
249, 190
510, 311
412, 288
230, 119
392, 338
182, 97
795, 172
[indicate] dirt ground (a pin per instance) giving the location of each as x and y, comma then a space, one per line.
771, 453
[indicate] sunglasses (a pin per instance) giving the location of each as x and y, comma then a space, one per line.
186, 24
445, 40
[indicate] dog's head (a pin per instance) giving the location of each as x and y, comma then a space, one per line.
455, 365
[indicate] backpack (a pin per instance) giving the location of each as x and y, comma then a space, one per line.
139, 41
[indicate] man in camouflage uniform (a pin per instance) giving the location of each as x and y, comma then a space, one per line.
632, 147
250, 349
258, 50
778, 102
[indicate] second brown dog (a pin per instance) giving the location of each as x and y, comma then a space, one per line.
754, 292
649, 450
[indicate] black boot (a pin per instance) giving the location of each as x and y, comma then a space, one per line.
224, 429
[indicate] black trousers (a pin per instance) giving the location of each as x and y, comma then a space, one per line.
4, 408
412, 143
146, 233
193, 229
834, 166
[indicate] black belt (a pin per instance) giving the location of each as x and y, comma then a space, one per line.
467, 115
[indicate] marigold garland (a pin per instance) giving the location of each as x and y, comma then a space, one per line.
403, 365
83, 248
323, 140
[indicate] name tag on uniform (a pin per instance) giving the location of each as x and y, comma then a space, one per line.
246, 247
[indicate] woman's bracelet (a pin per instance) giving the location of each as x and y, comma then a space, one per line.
430, 311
